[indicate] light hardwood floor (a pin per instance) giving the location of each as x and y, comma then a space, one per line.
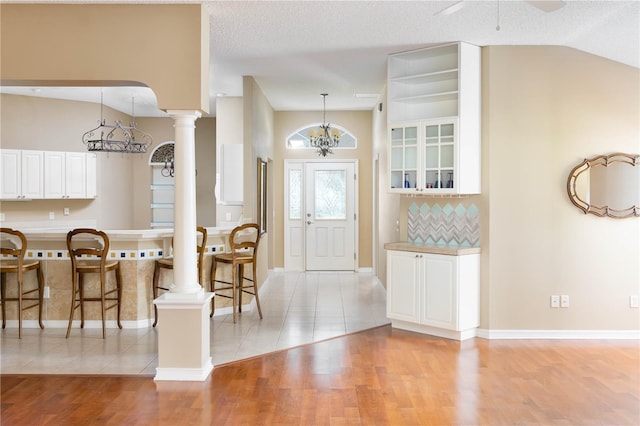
379, 376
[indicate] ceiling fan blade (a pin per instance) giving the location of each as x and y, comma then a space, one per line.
452, 8
546, 5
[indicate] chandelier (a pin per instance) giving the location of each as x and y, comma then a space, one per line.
117, 137
324, 138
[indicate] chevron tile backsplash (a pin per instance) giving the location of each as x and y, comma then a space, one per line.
457, 226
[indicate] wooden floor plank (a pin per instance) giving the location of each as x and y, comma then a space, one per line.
380, 376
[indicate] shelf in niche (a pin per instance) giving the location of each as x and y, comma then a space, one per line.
161, 186
436, 97
431, 77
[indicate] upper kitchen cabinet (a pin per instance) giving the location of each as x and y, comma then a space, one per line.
434, 120
69, 175
21, 174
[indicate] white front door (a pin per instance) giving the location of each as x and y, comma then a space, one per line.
320, 216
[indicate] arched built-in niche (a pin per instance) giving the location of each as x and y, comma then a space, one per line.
162, 185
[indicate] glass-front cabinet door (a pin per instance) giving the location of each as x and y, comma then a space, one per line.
423, 157
438, 155
404, 157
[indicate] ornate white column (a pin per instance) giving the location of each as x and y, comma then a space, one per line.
184, 208
183, 313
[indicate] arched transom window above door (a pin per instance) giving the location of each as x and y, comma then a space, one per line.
300, 138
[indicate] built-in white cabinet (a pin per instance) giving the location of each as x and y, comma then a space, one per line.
434, 120
67, 175
162, 198
33, 175
231, 174
434, 293
21, 174
92, 175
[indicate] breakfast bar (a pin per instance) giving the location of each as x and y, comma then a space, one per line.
137, 251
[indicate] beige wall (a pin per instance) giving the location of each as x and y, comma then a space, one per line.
258, 143
165, 47
229, 130
544, 110
357, 122
387, 209
124, 197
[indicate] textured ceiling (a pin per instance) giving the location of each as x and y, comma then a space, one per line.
299, 49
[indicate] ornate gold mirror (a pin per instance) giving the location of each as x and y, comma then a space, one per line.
607, 185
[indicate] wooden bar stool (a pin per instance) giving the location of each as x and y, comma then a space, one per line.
243, 242
13, 243
85, 245
167, 263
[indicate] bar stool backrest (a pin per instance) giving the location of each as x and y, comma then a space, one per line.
89, 243
13, 243
244, 239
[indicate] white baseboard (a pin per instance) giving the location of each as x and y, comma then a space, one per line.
558, 334
185, 374
365, 270
434, 331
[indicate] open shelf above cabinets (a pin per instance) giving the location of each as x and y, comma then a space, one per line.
434, 120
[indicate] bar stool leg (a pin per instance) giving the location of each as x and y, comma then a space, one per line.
255, 290
212, 284
74, 291
240, 285
40, 294
81, 299
234, 280
3, 291
103, 279
19, 279
156, 281
119, 293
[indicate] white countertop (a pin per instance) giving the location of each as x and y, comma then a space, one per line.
432, 249
58, 233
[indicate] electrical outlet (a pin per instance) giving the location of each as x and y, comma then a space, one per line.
52, 215
66, 211
220, 248
633, 301
564, 301
1, 217
46, 292
555, 301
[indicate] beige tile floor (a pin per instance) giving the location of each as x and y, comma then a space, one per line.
297, 307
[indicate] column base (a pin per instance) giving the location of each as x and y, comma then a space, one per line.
184, 351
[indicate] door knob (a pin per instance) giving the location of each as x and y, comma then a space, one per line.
309, 222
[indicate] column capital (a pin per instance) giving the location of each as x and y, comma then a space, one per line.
175, 113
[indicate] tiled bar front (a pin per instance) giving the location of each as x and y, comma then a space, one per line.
137, 252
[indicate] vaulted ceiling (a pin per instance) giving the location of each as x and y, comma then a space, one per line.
298, 49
